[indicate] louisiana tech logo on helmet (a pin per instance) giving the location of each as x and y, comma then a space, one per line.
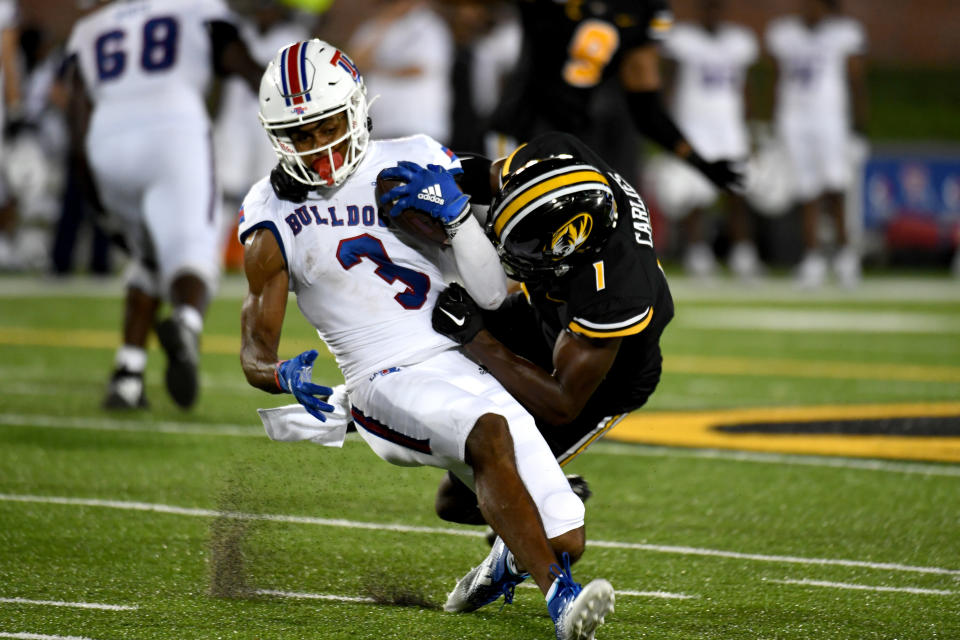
340, 59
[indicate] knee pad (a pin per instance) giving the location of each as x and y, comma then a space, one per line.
209, 275
562, 511
143, 278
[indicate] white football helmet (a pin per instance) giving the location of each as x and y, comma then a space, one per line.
306, 82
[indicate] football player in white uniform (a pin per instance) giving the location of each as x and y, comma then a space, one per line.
712, 58
10, 86
313, 227
144, 66
820, 95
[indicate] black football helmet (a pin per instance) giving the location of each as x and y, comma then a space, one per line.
550, 214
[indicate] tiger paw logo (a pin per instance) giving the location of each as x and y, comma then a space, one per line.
571, 235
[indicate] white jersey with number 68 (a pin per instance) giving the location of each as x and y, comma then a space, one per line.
146, 58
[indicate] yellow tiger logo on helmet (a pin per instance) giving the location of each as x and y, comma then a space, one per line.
571, 235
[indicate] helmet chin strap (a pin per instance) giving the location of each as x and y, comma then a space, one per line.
323, 167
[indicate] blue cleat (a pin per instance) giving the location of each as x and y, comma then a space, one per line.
485, 583
577, 611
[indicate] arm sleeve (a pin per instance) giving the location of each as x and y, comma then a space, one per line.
652, 119
478, 265
222, 34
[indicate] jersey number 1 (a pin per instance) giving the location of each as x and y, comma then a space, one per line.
159, 48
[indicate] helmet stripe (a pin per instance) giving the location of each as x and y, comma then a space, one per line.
303, 74
506, 163
283, 76
291, 70
584, 179
544, 199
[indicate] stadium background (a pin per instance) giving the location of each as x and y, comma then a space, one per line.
710, 533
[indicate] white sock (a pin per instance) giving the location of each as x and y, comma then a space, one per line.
131, 358
552, 590
190, 318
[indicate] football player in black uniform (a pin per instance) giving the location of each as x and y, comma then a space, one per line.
579, 346
570, 48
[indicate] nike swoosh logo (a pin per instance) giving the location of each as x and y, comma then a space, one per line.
457, 321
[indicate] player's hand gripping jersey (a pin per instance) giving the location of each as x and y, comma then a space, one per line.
620, 292
369, 293
569, 49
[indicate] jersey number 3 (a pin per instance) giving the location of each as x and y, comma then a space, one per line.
159, 48
352, 251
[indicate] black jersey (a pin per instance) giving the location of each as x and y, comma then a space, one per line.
619, 293
569, 48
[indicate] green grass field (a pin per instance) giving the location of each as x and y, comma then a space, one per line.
194, 526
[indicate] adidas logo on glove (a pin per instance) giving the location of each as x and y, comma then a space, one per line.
431, 194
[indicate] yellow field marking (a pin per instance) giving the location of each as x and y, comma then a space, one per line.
719, 365
698, 429
221, 344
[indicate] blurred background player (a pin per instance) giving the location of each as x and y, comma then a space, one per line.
708, 63
486, 37
243, 154
9, 105
34, 140
571, 53
406, 52
820, 97
140, 70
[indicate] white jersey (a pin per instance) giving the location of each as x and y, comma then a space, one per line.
146, 60
369, 295
708, 95
813, 66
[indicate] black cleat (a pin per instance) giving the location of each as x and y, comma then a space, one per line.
125, 391
579, 486
182, 348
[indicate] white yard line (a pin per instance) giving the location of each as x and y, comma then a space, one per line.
738, 555
602, 448
815, 320
899, 289
865, 587
312, 596
78, 605
667, 595
401, 528
656, 594
136, 426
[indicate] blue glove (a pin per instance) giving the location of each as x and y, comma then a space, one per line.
293, 376
432, 190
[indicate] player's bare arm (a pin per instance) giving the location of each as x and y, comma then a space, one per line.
264, 307
580, 365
